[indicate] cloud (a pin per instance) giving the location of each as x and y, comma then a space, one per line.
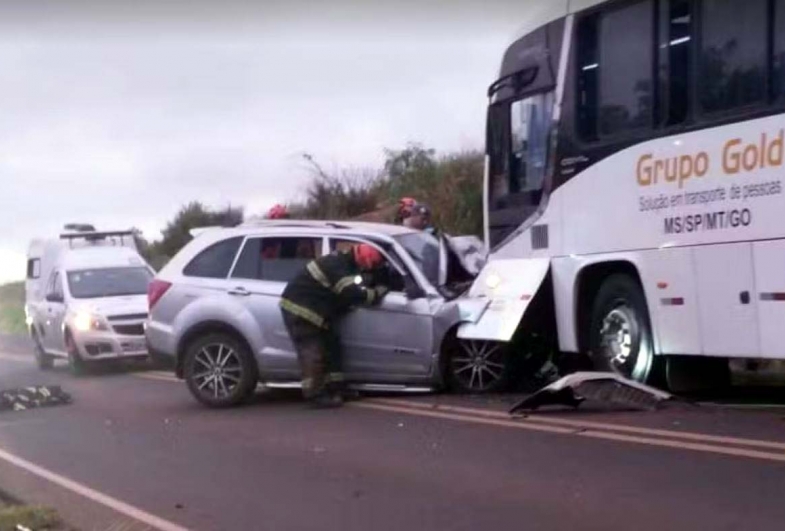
117, 116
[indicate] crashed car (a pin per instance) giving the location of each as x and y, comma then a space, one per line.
214, 312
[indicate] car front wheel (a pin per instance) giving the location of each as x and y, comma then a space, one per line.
42, 359
219, 371
478, 366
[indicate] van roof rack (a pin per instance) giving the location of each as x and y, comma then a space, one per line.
94, 236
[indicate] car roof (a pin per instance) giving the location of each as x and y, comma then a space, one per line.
320, 226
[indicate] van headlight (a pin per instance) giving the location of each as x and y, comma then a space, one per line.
85, 321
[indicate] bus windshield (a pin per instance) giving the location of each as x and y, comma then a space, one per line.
519, 132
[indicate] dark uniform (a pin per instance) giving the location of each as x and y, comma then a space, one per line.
327, 288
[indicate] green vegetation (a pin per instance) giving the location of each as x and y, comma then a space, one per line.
450, 184
12, 314
17, 517
176, 234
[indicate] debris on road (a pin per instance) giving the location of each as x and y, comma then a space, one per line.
606, 387
22, 398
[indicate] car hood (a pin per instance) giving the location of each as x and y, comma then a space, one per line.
112, 306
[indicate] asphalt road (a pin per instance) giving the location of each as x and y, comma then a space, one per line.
384, 463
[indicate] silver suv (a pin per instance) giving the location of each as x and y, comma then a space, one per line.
214, 312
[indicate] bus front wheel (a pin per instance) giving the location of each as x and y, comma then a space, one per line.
620, 336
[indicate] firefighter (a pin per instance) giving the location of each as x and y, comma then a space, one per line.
420, 219
312, 302
405, 205
278, 212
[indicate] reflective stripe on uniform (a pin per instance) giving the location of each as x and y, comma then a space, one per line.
370, 296
344, 283
317, 274
334, 377
303, 313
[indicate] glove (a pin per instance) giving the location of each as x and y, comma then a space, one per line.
381, 291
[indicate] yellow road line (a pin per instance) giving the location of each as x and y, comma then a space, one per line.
589, 425
161, 376
596, 434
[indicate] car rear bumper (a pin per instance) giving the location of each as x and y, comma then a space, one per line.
160, 340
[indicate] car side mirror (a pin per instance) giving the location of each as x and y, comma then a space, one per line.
53, 297
412, 289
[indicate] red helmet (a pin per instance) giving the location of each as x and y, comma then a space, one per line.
367, 256
405, 206
278, 212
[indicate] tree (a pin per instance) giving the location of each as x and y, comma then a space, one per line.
177, 232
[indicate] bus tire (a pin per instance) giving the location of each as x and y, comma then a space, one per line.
620, 335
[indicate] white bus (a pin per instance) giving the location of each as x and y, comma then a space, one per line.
635, 153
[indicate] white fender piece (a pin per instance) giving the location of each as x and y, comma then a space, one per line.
510, 286
605, 387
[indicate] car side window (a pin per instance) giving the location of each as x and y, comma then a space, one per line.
276, 259
34, 268
54, 286
58, 286
388, 274
215, 261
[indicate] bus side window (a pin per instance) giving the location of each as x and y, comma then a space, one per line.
733, 58
778, 66
615, 61
588, 64
677, 37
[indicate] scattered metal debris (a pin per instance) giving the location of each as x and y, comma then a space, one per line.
22, 398
606, 387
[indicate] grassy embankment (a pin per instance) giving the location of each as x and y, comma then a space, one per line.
12, 314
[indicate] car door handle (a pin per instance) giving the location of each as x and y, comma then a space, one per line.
240, 292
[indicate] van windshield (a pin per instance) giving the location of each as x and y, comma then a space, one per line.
108, 282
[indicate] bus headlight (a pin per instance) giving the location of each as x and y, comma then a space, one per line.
493, 281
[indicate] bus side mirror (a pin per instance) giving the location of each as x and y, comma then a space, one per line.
412, 289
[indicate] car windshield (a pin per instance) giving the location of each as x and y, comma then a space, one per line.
424, 249
108, 282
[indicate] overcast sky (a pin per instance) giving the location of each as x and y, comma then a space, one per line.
116, 113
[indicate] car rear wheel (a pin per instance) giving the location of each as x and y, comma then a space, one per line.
478, 366
42, 359
219, 371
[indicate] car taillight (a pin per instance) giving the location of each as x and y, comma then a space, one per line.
156, 290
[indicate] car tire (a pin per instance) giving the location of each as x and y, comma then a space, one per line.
477, 366
44, 361
220, 371
76, 364
620, 335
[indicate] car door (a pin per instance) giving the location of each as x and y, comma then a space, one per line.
265, 265
55, 314
391, 342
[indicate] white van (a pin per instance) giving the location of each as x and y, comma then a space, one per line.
86, 297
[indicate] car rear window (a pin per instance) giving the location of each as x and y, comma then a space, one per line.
215, 261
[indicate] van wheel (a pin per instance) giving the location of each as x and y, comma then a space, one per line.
219, 371
42, 359
620, 336
75, 364
478, 366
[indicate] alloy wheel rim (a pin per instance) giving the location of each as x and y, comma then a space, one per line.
479, 365
217, 371
623, 344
